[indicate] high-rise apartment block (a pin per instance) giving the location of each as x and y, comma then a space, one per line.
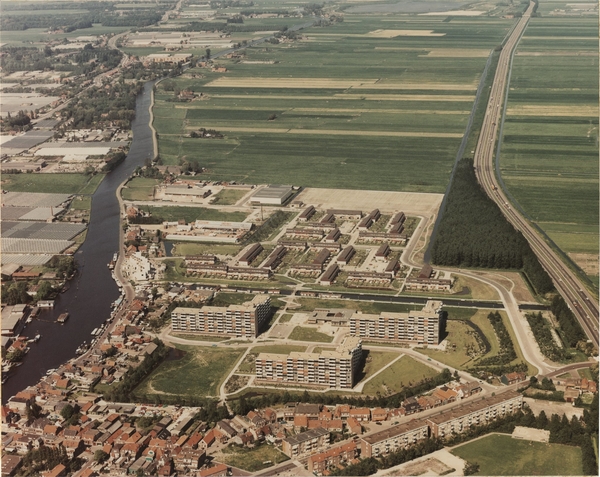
242, 321
335, 369
422, 327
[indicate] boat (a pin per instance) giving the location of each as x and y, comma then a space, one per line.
37, 337
94, 332
63, 317
4, 379
50, 371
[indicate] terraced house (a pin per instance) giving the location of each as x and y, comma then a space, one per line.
461, 418
242, 321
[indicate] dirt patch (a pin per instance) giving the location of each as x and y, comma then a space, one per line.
378, 111
412, 203
553, 110
407, 97
458, 53
420, 86
316, 83
337, 132
395, 33
587, 261
428, 466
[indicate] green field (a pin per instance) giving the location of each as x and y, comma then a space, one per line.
139, 188
549, 158
338, 122
403, 373
228, 196
502, 455
199, 372
183, 248
54, 183
302, 333
191, 214
376, 360
251, 459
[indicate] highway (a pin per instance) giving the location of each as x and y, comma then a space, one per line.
580, 300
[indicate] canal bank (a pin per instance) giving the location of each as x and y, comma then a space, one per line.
93, 289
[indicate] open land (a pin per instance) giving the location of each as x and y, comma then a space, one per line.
403, 373
198, 373
526, 457
338, 122
549, 155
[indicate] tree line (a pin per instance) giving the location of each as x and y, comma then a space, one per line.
473, 232
543, 335
570, 329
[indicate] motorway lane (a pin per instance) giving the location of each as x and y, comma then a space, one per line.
581, 302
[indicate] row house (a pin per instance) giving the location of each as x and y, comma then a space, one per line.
332, 458
395, 438
305, 442
461, 418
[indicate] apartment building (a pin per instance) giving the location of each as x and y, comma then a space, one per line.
415, 326
332, 458
245, 320
460, 418
394, 438
334, 369
305, 442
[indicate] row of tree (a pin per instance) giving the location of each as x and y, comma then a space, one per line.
473, 232
543, 335
570, 329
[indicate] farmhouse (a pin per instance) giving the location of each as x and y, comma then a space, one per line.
272, 195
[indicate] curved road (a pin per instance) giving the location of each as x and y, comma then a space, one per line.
579, 299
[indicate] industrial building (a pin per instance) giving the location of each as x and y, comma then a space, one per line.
423, 326
272, 195
245, 320
334, 369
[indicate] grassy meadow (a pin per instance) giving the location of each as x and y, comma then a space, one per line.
549, 158
343, 107
525, 457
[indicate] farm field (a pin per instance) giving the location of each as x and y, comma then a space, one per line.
549, 158
526, 457
311, 111
190, 214
139, 188
198, 373
404, 372
51, 183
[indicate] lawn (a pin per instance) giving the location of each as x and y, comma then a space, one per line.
253, 459
403, 373
301, 333
51, 183
375, 361
502, 455
228, 196
198, 337
309, 304
139, 188
191, 214
199, 372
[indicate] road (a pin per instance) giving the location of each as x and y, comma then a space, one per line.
580, 300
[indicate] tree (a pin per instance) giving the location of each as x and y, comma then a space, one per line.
100, 456
470, 468
208, 53
44, 290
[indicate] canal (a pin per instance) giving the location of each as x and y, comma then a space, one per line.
92, 291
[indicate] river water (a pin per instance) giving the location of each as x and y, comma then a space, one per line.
93, 289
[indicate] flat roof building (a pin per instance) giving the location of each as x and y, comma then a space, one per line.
272, 195
414, 326
394, 438
305, 442
245, 320
331, 368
